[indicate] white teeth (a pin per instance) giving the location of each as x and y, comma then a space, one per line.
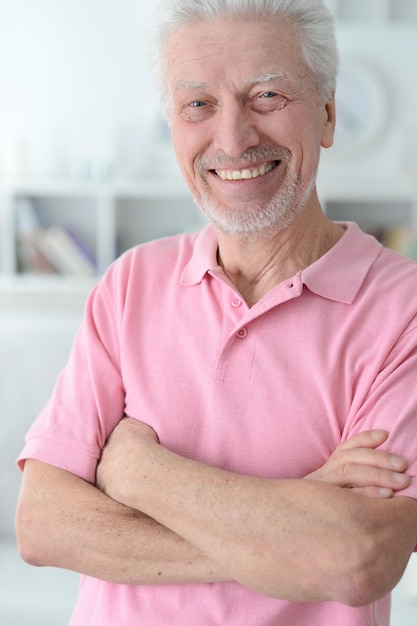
244, 174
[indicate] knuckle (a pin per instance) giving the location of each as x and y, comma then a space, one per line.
346, 472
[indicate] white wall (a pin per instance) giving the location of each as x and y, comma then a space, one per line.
391, 54
73, 79
33, 348
74, 83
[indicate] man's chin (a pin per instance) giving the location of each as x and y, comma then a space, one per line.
255, 220
243, 226
252, 220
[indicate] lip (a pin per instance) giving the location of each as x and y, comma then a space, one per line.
239, 193
246, 173
240, 180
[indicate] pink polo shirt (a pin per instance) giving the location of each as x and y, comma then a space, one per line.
269, 390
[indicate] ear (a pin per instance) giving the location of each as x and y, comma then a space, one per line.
329, 123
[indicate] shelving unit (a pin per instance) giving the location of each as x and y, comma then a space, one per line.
388, 213
109, 218
113, 217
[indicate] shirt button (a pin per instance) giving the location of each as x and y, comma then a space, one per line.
236, 302
242, 333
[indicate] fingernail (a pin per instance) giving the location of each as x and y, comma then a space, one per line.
385, 493
377, 434
400, 478
397, 462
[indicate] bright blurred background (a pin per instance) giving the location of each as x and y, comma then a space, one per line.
83, 148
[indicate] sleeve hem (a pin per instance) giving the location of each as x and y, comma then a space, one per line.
60, 454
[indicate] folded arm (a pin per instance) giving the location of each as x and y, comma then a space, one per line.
63, 521
293, 539
58, 511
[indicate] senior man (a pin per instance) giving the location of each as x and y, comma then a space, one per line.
273, 346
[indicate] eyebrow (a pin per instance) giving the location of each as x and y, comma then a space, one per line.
190, 85
264, 78
254, 80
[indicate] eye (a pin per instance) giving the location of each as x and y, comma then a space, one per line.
197, 110
269, 101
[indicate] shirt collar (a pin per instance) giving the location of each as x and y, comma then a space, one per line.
340, 273
203, 259
337, 275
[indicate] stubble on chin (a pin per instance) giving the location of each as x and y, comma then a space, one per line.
257, 221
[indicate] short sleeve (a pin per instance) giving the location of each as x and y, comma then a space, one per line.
88, 398
391, 404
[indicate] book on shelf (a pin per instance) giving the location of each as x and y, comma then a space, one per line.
399, 237
51, 249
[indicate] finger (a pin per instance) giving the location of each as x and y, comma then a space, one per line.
376, 458
374, 492
368, 476
366, 439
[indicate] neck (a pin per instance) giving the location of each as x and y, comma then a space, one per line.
255, 267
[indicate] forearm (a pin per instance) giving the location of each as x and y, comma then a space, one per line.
62, 521
296, 540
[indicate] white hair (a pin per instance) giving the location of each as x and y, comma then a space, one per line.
312, 19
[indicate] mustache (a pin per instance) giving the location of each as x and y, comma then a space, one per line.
254, 155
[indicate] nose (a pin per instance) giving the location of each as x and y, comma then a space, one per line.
235, 129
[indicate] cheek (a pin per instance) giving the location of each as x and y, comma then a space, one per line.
294, 133
182, 153
191, 141
185, 146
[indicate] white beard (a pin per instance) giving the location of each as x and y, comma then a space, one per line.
257, 221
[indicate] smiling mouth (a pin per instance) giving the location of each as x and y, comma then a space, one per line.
247, 173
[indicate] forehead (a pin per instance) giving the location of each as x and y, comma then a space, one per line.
216, 52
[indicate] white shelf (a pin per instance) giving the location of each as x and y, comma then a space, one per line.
110, 217
118, 215
51, 293
117, 187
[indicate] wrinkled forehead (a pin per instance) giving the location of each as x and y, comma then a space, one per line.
207, 50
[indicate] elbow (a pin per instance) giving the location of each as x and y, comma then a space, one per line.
358, 590
363, 589
355, 573
369, 589
370, 575
30, 536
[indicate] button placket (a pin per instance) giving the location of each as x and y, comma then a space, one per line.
234, 318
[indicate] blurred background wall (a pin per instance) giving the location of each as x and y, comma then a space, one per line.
74, 84
81, 139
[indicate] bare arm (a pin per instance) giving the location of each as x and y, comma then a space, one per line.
58, 511
293, 539
63, 521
